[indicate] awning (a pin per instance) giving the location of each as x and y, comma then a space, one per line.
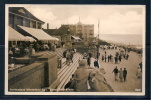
56, 39
28, 38
74, 37
14, 35
37, 33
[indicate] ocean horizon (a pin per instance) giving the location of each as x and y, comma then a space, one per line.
127, 39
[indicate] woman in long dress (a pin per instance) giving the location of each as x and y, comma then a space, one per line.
121, 75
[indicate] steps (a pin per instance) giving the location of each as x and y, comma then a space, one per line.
65, 73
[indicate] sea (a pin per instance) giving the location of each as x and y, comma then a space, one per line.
126, 39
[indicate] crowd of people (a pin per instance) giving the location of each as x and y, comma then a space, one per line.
69, 54
26, 48
88, 57
117, 58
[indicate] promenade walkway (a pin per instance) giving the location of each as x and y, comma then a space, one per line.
132, 84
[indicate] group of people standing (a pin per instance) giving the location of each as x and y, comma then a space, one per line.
117, 58
121, 73
88, 58
108, 58
69, 54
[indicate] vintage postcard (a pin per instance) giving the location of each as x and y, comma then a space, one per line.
75, 49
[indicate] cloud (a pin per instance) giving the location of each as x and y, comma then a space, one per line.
113, 19
43, 14
128, 23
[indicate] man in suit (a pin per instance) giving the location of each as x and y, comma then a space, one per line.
124, 74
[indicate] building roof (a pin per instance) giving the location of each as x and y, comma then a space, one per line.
62, 30
49, 31
23, 12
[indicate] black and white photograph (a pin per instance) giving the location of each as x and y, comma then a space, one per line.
60, 49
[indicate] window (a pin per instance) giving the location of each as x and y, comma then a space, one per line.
27, 22
33, 24
91, 34
79, 31
17, 21
39, 25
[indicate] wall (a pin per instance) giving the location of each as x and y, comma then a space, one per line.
40, 74
50, 68
28, 77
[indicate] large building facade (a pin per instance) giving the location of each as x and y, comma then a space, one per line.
84, 31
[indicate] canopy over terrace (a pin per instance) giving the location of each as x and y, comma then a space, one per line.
39, 34
16, 36
75, 39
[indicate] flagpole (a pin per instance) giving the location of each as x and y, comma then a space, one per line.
98, 41
98, 31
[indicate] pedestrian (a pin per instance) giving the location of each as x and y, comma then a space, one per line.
71, 55
111, 58
139, 73
102, 58
120, 58
68, 58
105, 58
108, 58
64, 54
96, 64
59, 62
124, 74
105, 52
115, 59
140, 66
88, 60
115, 73
90, 55
121, 75
97, 55
127, 56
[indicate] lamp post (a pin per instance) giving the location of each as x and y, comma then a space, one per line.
68, 41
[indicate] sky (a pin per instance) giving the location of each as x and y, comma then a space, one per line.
112, 19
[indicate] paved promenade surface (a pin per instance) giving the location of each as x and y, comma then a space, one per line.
132, 83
